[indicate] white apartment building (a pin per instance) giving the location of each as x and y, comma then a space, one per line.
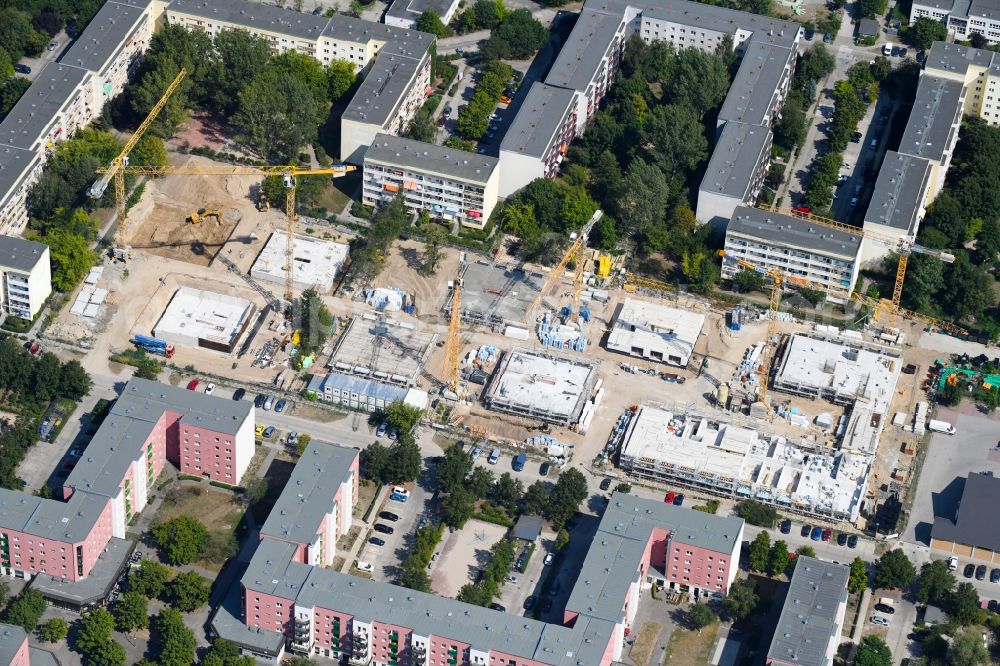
404, 13
395, 62
808, 254
963, 17
539, 136
26, 274
68, 95
450, 184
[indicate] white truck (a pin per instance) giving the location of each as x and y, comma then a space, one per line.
941, 426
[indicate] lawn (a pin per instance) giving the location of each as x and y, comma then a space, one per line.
277, 476
366, 495
690, 648
333, 199
645, 641
219, 511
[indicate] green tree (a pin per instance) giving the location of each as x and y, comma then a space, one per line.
894, 570
604, 235
760, 552
414, 575
74, 381
484, 15
341, 77
313, 319
536, 498
480, 482
26, 609
507, 492
970, 288
700, 615
925, 31
182, 539
457, 508
150, 579
778, 559
565, 498
935, 582
225, 653
430, 21
402, 416
643, 198
150, 151
277, 115
967, 648
805, 551
757, 513
578, 207
374, 460
432, 250
873, 652
54, 630
518, 37
108, 653
307, 70
963, 604
405, 461
131, 612
676, 138
858, 580
177, 642
748, 281
451, 471
562, 539
242, 57
188, 591
96, 629
256, 488
10, 91
700, 79
71, 258
742, 599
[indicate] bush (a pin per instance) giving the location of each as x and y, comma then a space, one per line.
757, 514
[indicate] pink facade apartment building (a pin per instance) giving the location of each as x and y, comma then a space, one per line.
287, 604
149, 423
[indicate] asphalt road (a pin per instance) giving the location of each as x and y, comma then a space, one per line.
62, 42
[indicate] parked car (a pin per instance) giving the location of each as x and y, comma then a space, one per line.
22, 69
885, 608
76, 453
993, 606
786, 526
806, 529
193, 385
817, 533
529, 602
366, 566
517, 464
293, 437
852, 541
384, 529
441, 121
605, 483
52, 46
258, 401
497, 607
548, 558
678, 500
995, 575
880, 619
268, 401
554, 588
841, 539
476, 452
210, 389
239, 393
953, 564
268, 432
669, 497
827, 534
382, 429
969, 571
543, 469
376, 541
388, 515
546, 605
259, 429
494, 457
392, 434
981, 572
280, 405
511, 579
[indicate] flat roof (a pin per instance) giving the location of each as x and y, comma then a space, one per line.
227, 622
132, 418
718, 19
539, 119
984, 8
314, 265
22, 255
975, 522
68, 521
382, 348
900, 191
808, 631
742, 461
412, 9
105, 35
788, 231
308, 495
98, 583
868, 27
12, 638
734, 159
944, 5
754, 93
203, 315
425, 157
15, 165
383, 87
254, 15
546, 386
494, 292
954, 58
655, 326
585, 49
38, 107
934, 119
849, 371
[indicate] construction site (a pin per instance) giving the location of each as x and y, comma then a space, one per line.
198, 318
379, 347
494, 295
315, 262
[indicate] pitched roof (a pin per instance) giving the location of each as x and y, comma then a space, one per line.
975, 522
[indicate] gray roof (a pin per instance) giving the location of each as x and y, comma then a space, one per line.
428, 157
40, 104
754, 94
105, 35
12, 637
528, 528
118, 441
412, 9
899, 192
40, 657
732, 167
380, 94
934, 119
541, 116
983, 8
15, 165
227, 622
868, 27
809, 615
788, 231
69, 522
366, 387
254, 15
19, 254
308, 495
584, 49
975, 522
943, 5
955, 58
717, 18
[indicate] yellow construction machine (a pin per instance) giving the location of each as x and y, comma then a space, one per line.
205, 213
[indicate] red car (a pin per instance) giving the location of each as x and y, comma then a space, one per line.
827, 534
193, 385
669, 497
441, 121
802, 210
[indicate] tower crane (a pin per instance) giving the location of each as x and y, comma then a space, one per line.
120, 162
905, 246
574, 250
287, 172
452, 347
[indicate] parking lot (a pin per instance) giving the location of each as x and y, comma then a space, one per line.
386, 559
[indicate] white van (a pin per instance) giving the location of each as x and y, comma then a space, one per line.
269, 402
494, 457
887, 49
941, 426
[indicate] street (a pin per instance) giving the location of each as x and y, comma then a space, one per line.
62, 42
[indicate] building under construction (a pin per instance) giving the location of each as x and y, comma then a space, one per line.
378, 347
549, 388
494, 295
198, 318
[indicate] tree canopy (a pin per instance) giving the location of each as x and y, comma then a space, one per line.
182, 539
894, 570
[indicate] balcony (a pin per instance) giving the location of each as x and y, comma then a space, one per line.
359, 660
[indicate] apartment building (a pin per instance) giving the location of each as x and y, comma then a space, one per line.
812, 617
325, 483
898, 204
405, 13
735, 172
68, 95
26, 274
963, 17
111, 482
451, 184
395, 62
538, 138
321, 612
808, 254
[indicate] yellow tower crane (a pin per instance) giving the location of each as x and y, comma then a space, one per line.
575, 250
288, 173
453, 344
120, 162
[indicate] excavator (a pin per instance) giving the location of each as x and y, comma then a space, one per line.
205, 213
